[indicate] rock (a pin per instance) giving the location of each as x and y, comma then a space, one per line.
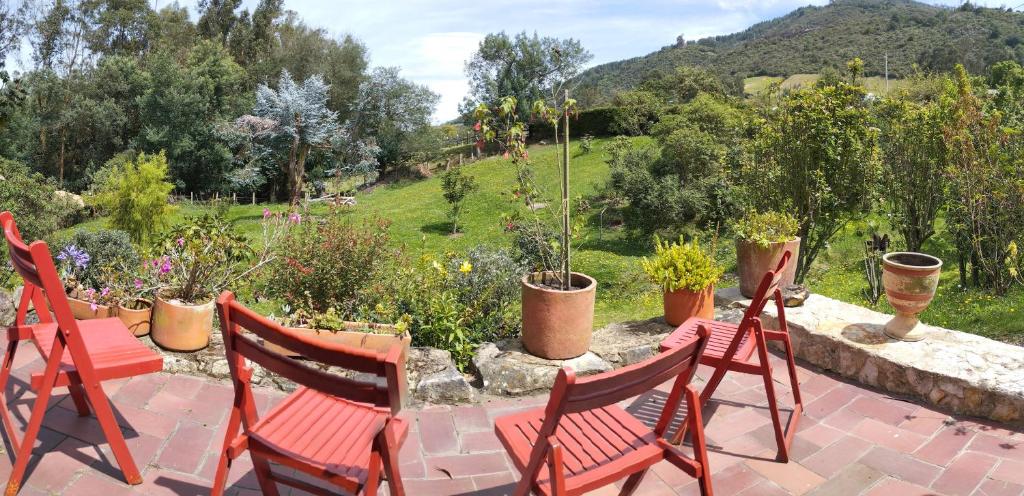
627, 343
434, 378
507, 369
794, 295
8, 308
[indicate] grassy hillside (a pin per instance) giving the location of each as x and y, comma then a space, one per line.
810, 38
758, 84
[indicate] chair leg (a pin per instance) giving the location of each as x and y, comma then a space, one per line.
373, 476
389, 452
5, 374
78, 396
261, 466
705, 396
773, 405
555, 468
700, 451
632, 483
112, 431
34, 424
224, 463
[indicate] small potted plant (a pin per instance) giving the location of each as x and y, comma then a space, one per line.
687, 276
202, 257
134, 293
761, 240
86, 303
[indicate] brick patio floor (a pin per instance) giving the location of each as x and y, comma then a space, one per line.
852, 441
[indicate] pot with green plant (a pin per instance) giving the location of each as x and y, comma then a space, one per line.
557, 303
202, 257
687, 276
761, 240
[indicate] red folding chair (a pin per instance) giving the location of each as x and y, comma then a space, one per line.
334, 428
732, 346
588, 441
78, 354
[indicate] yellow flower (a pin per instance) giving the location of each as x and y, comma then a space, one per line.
436, 266
466, 267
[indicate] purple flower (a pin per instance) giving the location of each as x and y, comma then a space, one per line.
74, 254
93, 306
181, 241
266, 213
138, 284
166, 267
105, 292
295, 218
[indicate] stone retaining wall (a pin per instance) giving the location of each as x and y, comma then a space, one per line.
960, 372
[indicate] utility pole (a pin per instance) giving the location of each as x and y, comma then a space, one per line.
887, 73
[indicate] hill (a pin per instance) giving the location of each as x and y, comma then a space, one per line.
811, 38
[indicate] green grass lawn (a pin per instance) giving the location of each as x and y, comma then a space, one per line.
756, 85
419, 222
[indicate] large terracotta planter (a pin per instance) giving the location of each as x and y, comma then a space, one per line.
910, 280
82, 309
137, 320
356, 336
180, 327
753, 262
557, 324
683, 304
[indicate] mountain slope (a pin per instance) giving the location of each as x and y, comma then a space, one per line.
810, 38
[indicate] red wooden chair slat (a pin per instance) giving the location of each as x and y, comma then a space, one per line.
732, 348
340, 430
587, 441
78, 355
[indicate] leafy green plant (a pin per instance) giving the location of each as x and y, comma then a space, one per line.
765, 228
203, 256
456, 186
109, 251
135, 194
681, 265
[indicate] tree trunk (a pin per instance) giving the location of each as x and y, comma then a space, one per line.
60, 159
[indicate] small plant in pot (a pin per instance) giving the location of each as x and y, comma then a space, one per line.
557, 303
761, 240
202, 257
73, 264
687, 276
133, 290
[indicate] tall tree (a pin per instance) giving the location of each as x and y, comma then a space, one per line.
118, 26
217, 19
301, 122
526, 67
392, 110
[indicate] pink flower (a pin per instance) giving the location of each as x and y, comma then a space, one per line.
166, 267
295, 218
526, 155
105, 292
138, 284
266, 213
181, 241
476, 127
505, 156
93, 306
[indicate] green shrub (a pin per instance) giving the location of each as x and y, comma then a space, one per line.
30, 197
595, 122
636, 112
202, 257
134, 192
456, 186
681, 265
109, 251
321, 265
765, 228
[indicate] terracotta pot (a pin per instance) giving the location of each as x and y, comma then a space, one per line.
910, 280
557, 324
180, 327
82, 309
682, 304
356, 337
753, 262
137, 320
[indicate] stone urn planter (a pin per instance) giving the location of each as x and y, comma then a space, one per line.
177, 326
557, 324
136, 315
378, 338
682, 304
910, 280
753, 261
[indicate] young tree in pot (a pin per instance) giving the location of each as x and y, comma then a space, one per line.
557, 303
202, 257
761, 240
687, 276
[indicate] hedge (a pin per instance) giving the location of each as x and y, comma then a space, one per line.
595, 122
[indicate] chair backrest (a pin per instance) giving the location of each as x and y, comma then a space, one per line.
239, 346
34, 264
769, 287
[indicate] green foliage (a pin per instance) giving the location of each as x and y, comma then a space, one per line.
30, 197
595, 122
202, 257
986, 187
810, 38
637, 112
914, 153
816, 155
135, 194
453, 302
681, 265
110, 251
765, 228
321, 265
394, 112
456, 186
685, 83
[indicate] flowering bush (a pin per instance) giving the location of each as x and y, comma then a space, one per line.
202, 257
106, 252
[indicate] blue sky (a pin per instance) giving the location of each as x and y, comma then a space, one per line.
431, 39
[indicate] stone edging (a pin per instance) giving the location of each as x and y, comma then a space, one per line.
961, 372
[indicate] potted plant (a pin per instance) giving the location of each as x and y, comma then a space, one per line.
133, 293
202, 257
687, 276
86, 303
761, 240
557, 303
